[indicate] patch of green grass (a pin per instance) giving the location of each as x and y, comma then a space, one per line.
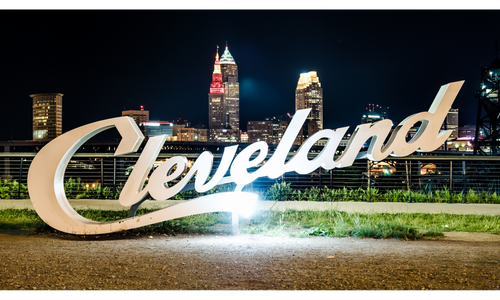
20, 219
202, 223
330, 223
334, 223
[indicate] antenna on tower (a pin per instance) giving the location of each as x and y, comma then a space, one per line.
226, 44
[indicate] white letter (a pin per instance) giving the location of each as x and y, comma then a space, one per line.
429, 136
275, 167
378, 131
132, 192
202, 168
158, 182
242, 162
302, 165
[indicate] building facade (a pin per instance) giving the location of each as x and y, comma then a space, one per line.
216, 98
224, 100
229, 71
47, 116
468, 131
452, 123
225, 135
154, 128
139, 116
191, 135
260, 131
309, 94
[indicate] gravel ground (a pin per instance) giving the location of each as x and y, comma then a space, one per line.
246, 262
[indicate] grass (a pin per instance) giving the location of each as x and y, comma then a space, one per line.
202, 223
330, 223
377, 225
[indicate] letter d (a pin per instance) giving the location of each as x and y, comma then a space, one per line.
429, 137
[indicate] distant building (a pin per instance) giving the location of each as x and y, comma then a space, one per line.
154, 128
225, 135
139, 116
260, 131
176, 128
280, 124
47, 116
451, 123
309, 94
467, 131
216, 98
180, 121
371, 117
459, 145
229, 71
191, 135
244, 137
375, 113
224, 100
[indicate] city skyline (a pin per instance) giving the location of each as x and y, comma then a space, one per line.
161, 61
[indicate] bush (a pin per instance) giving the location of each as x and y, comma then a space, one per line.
280, 191
11, 189
283, 191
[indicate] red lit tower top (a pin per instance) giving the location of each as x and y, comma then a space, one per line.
217, 87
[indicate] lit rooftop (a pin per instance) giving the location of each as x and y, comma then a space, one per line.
307, 79
226, 57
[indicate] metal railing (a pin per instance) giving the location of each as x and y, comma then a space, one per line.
458, 177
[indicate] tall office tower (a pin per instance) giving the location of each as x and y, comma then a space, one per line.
47, 116
309, 94
216, 100
229, 71
452, 123
139, 116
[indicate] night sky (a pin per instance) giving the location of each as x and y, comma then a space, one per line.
107, 61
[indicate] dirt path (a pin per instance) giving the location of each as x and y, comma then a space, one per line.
221, 262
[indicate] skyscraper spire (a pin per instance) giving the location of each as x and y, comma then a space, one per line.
216, 99
226, 57
217, 76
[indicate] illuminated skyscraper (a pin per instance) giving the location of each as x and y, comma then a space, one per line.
216, 99
309, 94
229, 71
47, 116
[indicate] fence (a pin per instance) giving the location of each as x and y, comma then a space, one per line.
420, 178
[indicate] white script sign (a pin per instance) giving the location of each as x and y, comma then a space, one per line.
46, 174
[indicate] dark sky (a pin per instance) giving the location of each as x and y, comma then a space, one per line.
105, 61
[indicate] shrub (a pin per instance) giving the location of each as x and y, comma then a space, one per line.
11, 189
280, 191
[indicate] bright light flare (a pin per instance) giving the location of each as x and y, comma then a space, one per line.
245, 205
